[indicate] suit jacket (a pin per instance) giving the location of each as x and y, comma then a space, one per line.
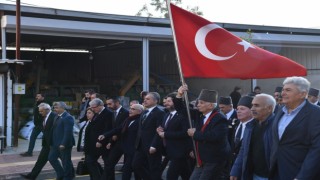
147, 134
297, 153
62, 131
100, 123
37, 117
241, 167
123, 114
47, 130
233, 123
213, 145
177, 142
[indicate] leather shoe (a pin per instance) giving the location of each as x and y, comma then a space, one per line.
27, 176
26, 154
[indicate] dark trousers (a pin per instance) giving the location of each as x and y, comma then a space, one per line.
41, 162
147, 165
33, 137
93, 166
127, 167
66, 171
178, 167
209, 171
114, 156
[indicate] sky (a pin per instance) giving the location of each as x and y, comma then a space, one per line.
284, 13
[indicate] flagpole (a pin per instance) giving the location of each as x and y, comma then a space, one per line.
182, 78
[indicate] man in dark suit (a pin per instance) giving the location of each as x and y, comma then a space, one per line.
37, 120
100, 123
48, 115
61, 142
253, 159
116, 151
278, 98
176, 141
313, 96
84, 105
147, 158
296, 136
210, 135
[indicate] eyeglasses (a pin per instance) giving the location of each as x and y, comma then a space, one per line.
133, 109
94, 107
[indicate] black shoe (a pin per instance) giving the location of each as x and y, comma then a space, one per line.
26, 154
27, 176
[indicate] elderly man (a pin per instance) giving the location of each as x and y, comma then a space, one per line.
62, 142
245, 116
48, 117
210, 135
296, 136
253, 159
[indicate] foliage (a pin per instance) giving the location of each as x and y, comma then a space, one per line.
160, 6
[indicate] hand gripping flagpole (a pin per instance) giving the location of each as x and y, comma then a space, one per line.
182, 78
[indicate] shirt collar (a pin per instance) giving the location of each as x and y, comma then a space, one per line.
297, 109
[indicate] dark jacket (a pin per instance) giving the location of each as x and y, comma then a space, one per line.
240, 167
62, 131
100, 123
147, 134
297, 153
47, 130
37, 118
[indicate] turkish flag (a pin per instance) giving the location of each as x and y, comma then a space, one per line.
208, 51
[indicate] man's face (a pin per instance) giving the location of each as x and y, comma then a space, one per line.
93, 96
291, 96
149, 101
169, 104
87, 95
244, 113
312, 99
43, 112
95, 108
225, 108
204, 107
58, 109
111, 104
134, 111
39, 97
260, 110
276, 95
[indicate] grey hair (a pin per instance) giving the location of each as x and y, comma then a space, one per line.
60, 104
138, 106
155, 96
302, 83
270, 100
44, 106
97, 102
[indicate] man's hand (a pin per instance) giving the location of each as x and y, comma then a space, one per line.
160, 131
101, 137
182, 89
152, 150
114, 138
98, 145
61, 147
108, 146
191, 131
233, 178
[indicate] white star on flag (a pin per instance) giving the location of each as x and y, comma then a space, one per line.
245, 45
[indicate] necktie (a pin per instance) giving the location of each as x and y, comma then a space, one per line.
238, 135
144, 117
114, 116
167, 121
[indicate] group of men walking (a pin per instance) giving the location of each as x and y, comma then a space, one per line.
250, 141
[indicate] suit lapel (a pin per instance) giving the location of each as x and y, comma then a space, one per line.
296, 120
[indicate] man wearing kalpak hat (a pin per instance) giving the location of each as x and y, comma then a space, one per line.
244, 116
210, 135
313, 96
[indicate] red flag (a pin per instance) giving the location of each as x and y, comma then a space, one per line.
208, 51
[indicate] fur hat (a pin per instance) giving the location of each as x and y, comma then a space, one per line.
225, 100
208, 95
246, 101
313, 92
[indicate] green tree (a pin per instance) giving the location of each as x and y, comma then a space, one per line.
160, 7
